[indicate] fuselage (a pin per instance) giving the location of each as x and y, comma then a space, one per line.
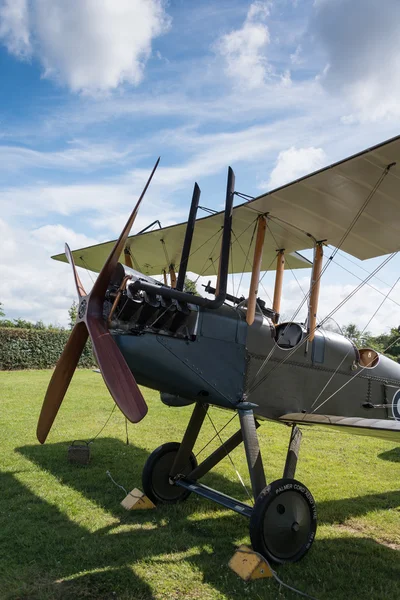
214, 356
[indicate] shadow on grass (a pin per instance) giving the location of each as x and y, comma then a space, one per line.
44, 555
392, 455
125, 463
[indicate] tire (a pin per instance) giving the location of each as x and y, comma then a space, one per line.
155, 475
283, 522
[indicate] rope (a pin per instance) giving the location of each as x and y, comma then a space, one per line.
109, 417
126, 431
276, 577
115, 483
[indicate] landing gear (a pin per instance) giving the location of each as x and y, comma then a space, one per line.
156, 472
283, 521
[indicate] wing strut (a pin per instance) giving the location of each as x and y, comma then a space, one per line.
280, 268
255, 274
314, 291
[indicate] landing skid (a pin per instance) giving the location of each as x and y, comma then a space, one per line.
283, 520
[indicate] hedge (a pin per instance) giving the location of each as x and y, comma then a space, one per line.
36, 349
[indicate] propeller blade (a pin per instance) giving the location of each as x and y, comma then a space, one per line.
102, 281
116, 373
78, 283
60, 380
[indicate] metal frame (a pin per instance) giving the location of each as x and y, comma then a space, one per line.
223, 270
188, 238
246, 434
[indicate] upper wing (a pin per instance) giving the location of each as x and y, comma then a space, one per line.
323, 204
326, 202
380, 428
155, 251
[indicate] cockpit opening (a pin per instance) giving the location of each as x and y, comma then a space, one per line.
288, 335
368, 358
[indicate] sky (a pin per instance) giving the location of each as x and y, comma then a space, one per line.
93, 91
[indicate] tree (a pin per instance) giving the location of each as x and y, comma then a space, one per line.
190, 287
2, 313
389, 343
73, 314
360, 338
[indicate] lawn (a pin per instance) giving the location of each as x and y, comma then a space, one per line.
64, 535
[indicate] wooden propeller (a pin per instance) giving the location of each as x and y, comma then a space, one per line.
116, 373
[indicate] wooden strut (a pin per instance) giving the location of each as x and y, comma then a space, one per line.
315, 285
172, 275
128, 258
280, 268
255, 274
165, 277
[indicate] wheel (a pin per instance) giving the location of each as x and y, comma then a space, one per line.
155, 475
284, 521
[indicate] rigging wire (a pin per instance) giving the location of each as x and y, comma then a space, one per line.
278, 221
246, 255
342, 361
204, 267
369, 285
165, 253
201, 246
233, 272
216, 435
344, 255
252, 388
346, 233
251, 267
274, 348
325, 267
231, 459
87, 268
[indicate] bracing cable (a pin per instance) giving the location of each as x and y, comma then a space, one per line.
252, 388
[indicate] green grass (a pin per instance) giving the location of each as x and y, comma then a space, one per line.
64, 535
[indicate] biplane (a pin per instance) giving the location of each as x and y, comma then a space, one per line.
236, 353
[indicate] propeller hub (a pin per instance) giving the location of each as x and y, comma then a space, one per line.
82, 308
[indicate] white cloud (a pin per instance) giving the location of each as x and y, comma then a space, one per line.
52, 237
14, 27
244, 49
80, 156
32, 286
296, 58
89, 45
294, 163
361, 42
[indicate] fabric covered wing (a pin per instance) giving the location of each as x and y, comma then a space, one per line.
154, 251
320, 206
326, 202
380, 428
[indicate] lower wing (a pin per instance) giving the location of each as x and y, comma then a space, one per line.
380, 428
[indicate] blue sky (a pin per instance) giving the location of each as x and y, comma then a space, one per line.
92, 91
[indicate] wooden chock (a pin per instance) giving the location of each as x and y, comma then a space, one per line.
249, 565
136, 500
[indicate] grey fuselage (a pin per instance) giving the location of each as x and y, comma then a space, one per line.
214, 356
